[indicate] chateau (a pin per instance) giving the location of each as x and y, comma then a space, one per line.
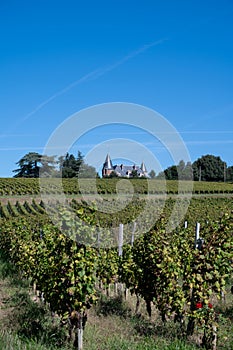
122, 170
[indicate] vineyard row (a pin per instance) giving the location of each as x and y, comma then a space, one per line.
28, 186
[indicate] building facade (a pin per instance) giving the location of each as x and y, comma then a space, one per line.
123, 170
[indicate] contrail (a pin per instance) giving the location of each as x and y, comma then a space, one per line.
93, 75
61, 92
128, 57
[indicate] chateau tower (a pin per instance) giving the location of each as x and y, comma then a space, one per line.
143, 167
107, 166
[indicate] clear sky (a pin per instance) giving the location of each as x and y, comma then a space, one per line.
173, 56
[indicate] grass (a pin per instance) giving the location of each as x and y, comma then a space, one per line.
11, 341
113, 333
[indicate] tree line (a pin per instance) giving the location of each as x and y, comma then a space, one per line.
206, 168
34, 165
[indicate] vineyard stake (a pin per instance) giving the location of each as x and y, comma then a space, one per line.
34, 287
116, 288
133, 232
80, 338
214, 344
98, 239
197, 234
120, 239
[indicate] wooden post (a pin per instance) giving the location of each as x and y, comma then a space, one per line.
80, 338
34, 288
223, 297
214, 344
109, 290
116, 288
42, 297
197, 234
133, 233
137, 304
121, 289
98, 239
126, 293
120, 239
77, 323
191, 321
101, 285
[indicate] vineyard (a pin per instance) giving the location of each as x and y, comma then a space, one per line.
30, 186
71, 262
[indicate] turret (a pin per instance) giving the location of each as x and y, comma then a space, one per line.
143, 167
107, 166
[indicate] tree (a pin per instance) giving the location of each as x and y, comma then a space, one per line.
134, 173
152, 174
37, 165
70, 166
185, 171
209, 168
87, 171
229, 173
112, 174
181, 171
171, 173
28, 165
47, 168
80, 160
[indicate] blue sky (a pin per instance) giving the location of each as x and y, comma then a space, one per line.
59, 57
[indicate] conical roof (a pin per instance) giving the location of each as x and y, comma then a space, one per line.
108, 163
143, 167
